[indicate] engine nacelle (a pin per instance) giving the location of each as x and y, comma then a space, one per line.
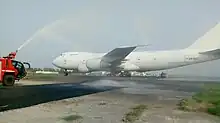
128, 67
96, 64
83, 68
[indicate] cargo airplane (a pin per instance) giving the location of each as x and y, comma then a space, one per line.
204, 49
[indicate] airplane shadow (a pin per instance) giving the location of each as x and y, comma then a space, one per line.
25, 96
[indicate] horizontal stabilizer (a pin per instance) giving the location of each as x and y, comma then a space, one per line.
211, 52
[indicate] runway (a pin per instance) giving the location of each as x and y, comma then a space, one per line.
28, 95
119, 94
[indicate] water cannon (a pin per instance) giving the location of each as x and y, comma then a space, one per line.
11, 55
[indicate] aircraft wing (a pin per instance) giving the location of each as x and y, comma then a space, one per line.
211, 52
118, 54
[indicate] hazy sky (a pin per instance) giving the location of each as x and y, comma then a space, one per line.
101, 25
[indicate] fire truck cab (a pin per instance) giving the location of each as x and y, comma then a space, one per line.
11, 70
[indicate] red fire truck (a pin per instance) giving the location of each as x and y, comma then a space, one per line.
11, 70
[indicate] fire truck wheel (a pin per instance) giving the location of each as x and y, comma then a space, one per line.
8, 80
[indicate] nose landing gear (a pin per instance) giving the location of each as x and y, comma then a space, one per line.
66, 72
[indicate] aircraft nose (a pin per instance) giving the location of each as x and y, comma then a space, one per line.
56, 62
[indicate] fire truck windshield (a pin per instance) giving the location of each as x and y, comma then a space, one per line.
20, 68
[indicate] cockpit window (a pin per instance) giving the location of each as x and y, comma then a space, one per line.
19, 65
72, 54
69, 54
14, 63
62, 54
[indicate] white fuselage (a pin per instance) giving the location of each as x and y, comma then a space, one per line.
138, 61
206, 48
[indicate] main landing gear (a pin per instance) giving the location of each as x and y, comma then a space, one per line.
125, 74
66, 72
121, 74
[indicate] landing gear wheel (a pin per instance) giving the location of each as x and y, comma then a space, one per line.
65, 73
8, 80
125, 74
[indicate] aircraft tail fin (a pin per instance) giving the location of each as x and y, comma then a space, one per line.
209, 41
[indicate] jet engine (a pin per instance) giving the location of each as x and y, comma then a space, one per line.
83, 68
96, 64
128, 67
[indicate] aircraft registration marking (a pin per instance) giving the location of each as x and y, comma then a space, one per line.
190, 58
